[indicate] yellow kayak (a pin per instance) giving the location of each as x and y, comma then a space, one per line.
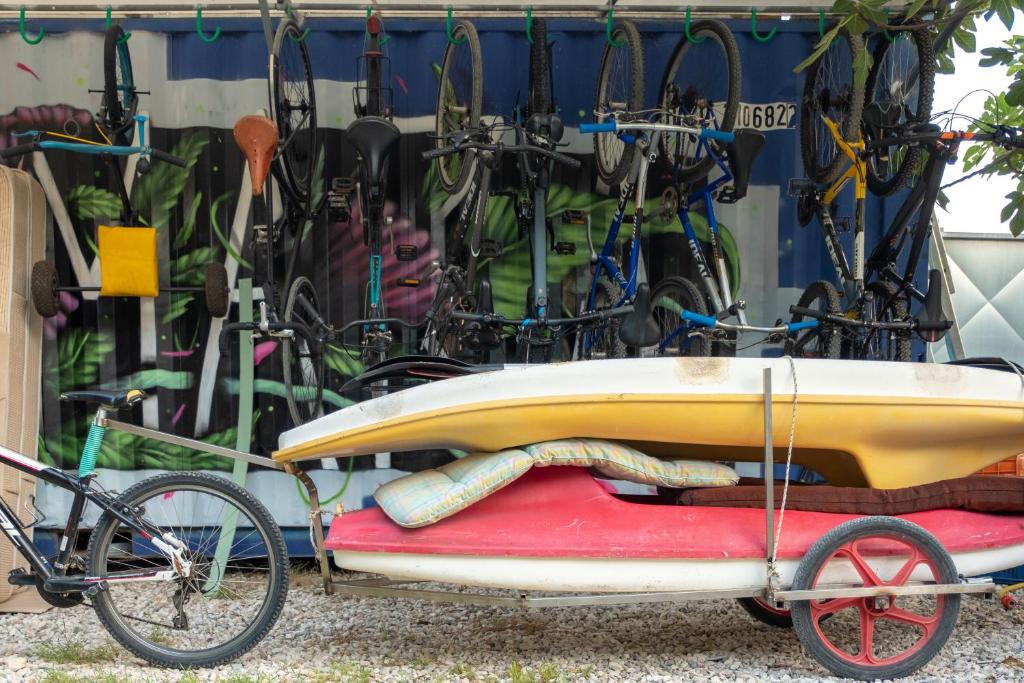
879, 424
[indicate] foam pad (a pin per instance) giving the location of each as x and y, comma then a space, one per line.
128, 262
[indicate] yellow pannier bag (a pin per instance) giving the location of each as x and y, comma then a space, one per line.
128, 262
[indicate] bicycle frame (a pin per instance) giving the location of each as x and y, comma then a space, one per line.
54, 575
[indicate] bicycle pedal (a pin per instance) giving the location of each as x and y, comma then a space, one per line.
565, 248
843, 224
490, 248
574, 217
799, 187
20, 577
406, 252
408, 282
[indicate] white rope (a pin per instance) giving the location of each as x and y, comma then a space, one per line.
789, 460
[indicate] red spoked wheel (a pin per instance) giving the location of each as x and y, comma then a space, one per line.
868, 638
767, 612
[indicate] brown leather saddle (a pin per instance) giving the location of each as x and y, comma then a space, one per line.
256, 136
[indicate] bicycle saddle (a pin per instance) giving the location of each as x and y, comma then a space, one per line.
112, 400
546, 125
256, 136
741, 153
373, 137
639, 328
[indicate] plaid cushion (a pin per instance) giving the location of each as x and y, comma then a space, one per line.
429, 496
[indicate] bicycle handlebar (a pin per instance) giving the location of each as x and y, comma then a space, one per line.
616, 126
455, 149
913, 324
498, 319
699, 320
83, 148
1006, 136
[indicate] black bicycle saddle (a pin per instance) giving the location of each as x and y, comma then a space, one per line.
546, 125
373, 137
639, 328
112, 400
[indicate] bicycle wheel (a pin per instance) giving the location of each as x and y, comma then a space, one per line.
823, 341
541, 100
620, 88
899, 91
705, 92
766, 612
459, 103
602, 340
293, 109
831, 90
302, 363
233, 590
669, 298
120, 100
892, 345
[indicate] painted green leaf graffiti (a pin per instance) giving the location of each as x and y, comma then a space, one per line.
85, 202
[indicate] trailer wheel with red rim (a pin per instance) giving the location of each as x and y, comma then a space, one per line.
875, 637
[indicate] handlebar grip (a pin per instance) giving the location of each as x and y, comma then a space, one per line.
933, 325
697, 318
564, 159
720, 135
438, 152
606, 127
18, 150
806, 312
169, 158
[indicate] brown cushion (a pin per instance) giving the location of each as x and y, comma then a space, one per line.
978, 493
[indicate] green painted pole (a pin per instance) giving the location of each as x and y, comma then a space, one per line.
244, 435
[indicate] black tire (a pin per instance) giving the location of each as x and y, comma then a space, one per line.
667, 300
890, 104
602, 341
215, 289
302, 361
458, 104
690, 94
826, 340
120, 100
808, 615
830, 89
155, 501
44, 289
894, 345
541, 100
620, 87
766, 613
293, 109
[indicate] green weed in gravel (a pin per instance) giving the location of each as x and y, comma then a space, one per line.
55, 676
74, 652
343, 672
462, 670
547, 672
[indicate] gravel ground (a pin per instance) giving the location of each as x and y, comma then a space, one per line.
321, 639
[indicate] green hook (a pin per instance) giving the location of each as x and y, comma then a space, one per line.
199, 28
288, 13
686, 27
885, 30
753, 29
529, 24
448, 29
608, 29
24, 35
821, 23
106, 27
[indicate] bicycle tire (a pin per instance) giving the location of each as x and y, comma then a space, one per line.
823, 161
843, 539
155, 496
766, 613
900, 342
609, 147
298, 357
540, 100
676, 148
44, 281
296, 161
120, 99
602, 340
684, 294
883, 73
454, 171
828, 339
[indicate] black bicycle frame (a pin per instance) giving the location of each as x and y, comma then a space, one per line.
54, 575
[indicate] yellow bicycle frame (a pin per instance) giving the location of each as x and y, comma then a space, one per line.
857, 172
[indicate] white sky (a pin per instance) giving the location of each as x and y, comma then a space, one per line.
974, 205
